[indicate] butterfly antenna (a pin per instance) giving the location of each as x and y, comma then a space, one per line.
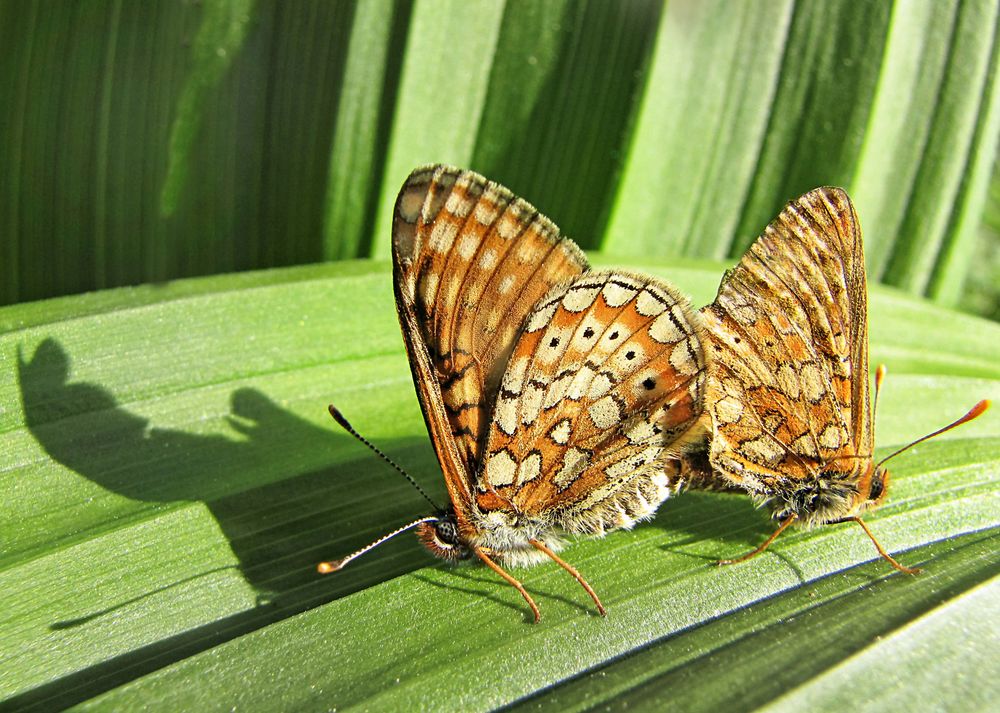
975, 412
345, 424
879, 378
336, 565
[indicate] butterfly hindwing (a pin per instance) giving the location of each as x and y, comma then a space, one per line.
470, 261
788, 391
602, 383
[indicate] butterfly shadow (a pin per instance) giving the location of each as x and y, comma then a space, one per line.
700, 517
278, 527
485, 585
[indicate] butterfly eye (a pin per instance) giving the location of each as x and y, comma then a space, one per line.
441, 537
879, 481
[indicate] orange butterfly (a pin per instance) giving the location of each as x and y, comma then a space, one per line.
787, 392
553, 396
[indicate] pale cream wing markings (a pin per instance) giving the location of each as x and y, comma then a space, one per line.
618, 353
797, 241
446, 222
515, 288
547, 381
841, 265
591, 446
809, 377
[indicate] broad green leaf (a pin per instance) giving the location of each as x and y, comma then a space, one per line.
219, 39
362, 118
433, 85
171, 478
713, 76
147, 141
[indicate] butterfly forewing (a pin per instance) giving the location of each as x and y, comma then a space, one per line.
788, 393
470, 261
602, 383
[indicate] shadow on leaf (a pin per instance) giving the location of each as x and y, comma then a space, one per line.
279, 525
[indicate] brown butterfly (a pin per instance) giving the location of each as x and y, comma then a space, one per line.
553, 396
787, 392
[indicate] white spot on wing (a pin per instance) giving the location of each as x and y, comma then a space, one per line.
788, 381
411, 202
580, 297
575, 462
605, 413
443, 236
500, 469
805, 445
681, 359
641, 431
728, 410
762, 449
616, 294
811, 381
488, 259
560, 432
648, 305
541, 317
513, 379
832, 437
530, 468
664, 330
486, 209
467, 246
458, 202
531, 404
505, 284
600, 385
506, 415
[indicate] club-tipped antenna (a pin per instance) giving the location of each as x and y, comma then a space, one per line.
336, 565
345, 424
975, 412
879, 378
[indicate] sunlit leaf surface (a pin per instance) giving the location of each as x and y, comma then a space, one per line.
170, 478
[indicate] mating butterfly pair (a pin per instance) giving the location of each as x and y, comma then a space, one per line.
567, 402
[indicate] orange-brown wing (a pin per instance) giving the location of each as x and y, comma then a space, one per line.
602, 383
788, 385
470, 260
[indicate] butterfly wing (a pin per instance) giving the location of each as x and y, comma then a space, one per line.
470, 260
788, 386
602, 383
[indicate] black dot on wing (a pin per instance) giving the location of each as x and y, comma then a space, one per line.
630, 355
649, 383
554, 342
614, 335
588, 333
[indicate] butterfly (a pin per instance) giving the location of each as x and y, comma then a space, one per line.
553, 395
787, 393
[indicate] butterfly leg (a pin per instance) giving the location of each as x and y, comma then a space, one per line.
767, 543
510, 580
539, 545
881, 550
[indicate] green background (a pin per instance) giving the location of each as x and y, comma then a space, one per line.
169, 476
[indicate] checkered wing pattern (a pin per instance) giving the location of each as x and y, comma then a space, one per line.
601, 386
470, 262
787, 334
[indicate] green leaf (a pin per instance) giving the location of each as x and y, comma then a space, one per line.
171, 478
147, 141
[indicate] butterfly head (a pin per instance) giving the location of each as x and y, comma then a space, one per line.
874, 489
441, 536
842, 489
